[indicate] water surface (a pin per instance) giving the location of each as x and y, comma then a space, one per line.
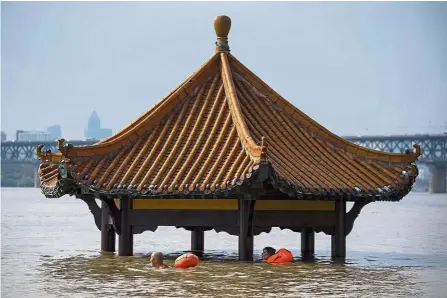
50, 248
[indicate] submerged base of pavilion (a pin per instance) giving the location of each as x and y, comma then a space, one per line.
244, 218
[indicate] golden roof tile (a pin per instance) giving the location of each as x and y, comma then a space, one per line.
213, 132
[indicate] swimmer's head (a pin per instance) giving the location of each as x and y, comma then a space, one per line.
156, 258
267, 252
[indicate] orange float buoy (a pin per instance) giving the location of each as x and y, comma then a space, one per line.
187, 260
281, 256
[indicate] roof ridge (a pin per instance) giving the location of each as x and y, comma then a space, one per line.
255, 151
318, 129
149, 118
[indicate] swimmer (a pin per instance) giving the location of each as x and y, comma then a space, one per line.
157, 260
267, 252
271, 255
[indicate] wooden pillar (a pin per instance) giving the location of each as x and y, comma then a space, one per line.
339, 237
245, 230
197, 240
107, 230
307, 243
125, 247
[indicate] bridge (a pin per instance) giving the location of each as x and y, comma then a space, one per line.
434, 152
25, 152
433, 147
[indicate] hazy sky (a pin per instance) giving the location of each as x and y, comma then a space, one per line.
356, 68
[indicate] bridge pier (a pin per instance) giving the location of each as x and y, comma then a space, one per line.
36, 177
438, 179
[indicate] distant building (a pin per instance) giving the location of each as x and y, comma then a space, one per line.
3, 136
94, 130
33, 136
104, 133
55, 131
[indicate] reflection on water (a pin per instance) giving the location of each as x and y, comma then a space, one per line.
132, 276
50, 249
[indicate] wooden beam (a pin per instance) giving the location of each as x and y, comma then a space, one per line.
125, 247
230, 204
229, 218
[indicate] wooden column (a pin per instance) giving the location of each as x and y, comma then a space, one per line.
125, 247
307, 243
245, 229
197, 240
339, 237
107, 230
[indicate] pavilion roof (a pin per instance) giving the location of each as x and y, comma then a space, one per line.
213, 132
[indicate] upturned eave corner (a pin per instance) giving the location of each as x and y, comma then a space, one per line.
408, 157
416, 153
389, 157
48, 156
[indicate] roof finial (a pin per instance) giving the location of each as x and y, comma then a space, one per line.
222, 25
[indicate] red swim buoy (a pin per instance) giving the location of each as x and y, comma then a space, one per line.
186, 261
281, 256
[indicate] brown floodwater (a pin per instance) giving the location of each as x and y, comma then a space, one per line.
50, 248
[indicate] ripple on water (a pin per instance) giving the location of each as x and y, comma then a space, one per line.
50, 249
102, 275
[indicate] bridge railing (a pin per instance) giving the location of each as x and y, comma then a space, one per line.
433, 147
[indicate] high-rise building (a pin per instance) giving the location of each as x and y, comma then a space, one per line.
55, 131
94, 130
33, 136
94, 123
104, 133
3, 136
18, 132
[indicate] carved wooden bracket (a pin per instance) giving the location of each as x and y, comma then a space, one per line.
94, 209
352, 215
350, 218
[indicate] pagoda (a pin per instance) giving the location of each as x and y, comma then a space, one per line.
225, 152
